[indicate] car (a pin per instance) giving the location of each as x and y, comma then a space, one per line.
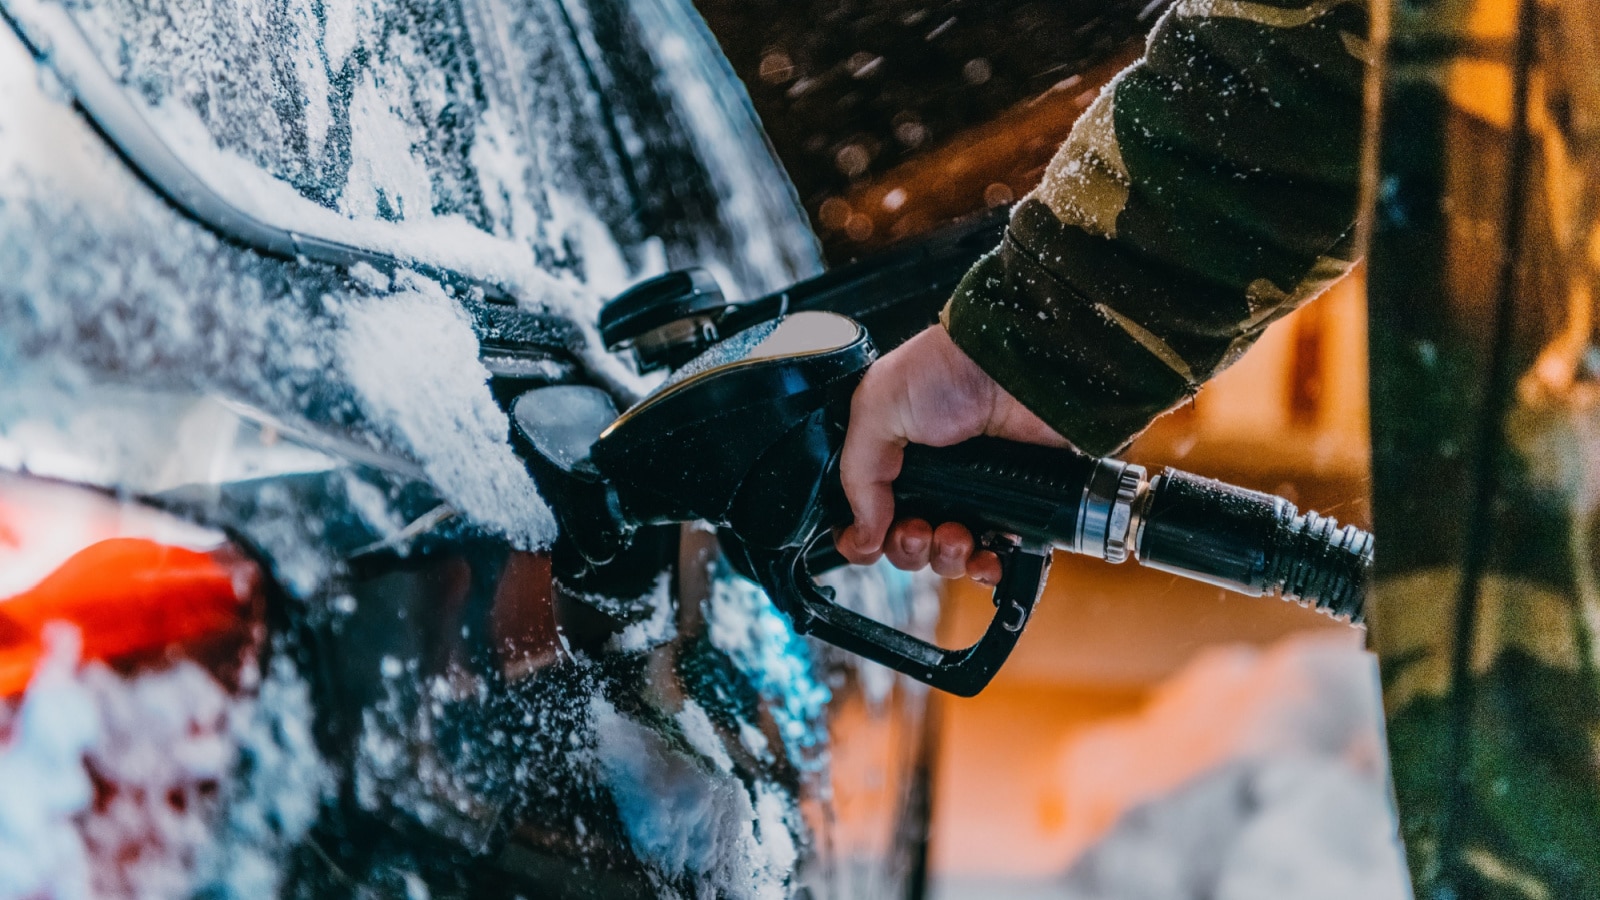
283, 615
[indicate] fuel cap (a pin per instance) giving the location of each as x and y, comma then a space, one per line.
667, 319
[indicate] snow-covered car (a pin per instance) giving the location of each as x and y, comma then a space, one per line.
277, 604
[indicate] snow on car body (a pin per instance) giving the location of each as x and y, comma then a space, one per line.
254, 260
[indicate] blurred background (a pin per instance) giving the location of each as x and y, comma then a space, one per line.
1151, 737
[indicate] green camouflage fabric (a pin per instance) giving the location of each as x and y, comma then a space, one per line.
1213, 188
1486, 443
1208, 191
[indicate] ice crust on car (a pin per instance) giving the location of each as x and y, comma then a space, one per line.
380, 168
743, 623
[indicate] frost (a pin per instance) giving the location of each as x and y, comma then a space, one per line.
372, 505
751, 738
384, 175
744, 624
46, 786
724, 352
272, 803
171, 743
660, 627
703, 736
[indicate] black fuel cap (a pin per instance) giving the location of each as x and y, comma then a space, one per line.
657, 303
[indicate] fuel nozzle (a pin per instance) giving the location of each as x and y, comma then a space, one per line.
748, 436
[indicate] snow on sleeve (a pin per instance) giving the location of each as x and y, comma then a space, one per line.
413, 361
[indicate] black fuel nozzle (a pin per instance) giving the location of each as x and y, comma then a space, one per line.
747, 437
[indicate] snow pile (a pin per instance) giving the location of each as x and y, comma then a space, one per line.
41, 767
661, 625
276, 791
412, 358
1250, 776
161, 784
1289, 829
690, 816
163, 753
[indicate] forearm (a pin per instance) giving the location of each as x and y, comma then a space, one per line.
1211, 189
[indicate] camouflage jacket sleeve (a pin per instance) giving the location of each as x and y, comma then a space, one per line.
1209, 190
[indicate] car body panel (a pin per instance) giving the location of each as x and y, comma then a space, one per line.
478, 726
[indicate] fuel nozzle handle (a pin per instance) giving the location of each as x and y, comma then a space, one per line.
1243, 540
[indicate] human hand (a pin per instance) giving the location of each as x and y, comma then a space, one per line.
926, 391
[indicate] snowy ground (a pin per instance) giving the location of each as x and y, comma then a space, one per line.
1249, 776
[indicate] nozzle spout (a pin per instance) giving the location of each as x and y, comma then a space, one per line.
1254, 543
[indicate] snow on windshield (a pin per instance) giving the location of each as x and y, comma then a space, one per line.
462, 121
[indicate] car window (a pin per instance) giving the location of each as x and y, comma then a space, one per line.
584, 132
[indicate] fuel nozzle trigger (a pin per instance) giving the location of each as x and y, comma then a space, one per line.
786, 576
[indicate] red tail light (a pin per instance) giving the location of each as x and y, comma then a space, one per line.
140, 585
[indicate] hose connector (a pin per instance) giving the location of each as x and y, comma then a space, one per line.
1106, 512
